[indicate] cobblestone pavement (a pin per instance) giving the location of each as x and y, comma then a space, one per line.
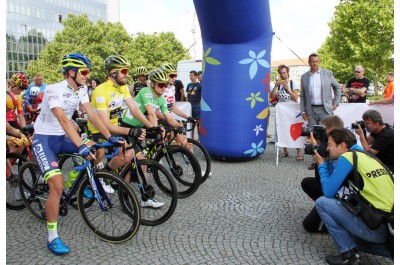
245, 213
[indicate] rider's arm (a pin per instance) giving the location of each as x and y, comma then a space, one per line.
95, 119
12, 131
20, 111
177, 111
171, 121
139, 115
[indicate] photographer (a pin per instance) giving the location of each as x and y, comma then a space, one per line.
348, 230
312, 185
380, 141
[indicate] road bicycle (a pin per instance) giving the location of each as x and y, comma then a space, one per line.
180, 161
109, 218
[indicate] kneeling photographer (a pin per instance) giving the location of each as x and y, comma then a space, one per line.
312, 185
380, 141
348, 216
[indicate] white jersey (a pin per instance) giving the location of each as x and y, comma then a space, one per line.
169, 95
58, 95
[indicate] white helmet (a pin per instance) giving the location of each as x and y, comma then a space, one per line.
34, 91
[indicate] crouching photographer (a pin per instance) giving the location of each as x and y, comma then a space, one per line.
380, 141
317, 140
356, 219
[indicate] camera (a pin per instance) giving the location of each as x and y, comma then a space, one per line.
319, 133
321, 149
355, 125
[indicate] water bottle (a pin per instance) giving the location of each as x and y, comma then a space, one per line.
71, 178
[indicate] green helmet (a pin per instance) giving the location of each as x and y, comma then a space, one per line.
116, 62
158, 75
169, 68
141, 70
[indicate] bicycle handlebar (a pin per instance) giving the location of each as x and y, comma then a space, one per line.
97, 146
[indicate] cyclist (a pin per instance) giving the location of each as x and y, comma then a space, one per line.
107, 101
143, 81
169, 95
31, 104
151, 99
18, 83
51, 130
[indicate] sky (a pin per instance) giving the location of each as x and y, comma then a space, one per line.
301, 25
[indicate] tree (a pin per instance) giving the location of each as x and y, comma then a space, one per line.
362, 32
100, 40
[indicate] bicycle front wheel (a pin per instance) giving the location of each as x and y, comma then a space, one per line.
115, 223
156, 191
14, 162
184, 168
33, 189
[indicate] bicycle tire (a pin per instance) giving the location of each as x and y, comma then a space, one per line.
203, 157
12, 182
115, 224
184, 168
66, 163
33, 193
159, 185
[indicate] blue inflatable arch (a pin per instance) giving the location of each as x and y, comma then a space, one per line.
237, 39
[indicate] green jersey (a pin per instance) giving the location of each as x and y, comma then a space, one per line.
143, 98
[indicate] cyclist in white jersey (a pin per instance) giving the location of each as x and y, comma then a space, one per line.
54, 135
169, 95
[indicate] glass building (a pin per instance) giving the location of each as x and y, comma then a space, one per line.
31, 24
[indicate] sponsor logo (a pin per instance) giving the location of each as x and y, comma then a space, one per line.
100, 100
111, 104
112, 95
41, 157
54, 164
170, 99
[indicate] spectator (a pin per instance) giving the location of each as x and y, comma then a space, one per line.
38, 82
287, 90
356, 88
312, 185
348, 230
389, 88
316, 96
94, 83
193, 91
380, 141
179, 91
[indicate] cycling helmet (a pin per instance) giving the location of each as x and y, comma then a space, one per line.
116, 62
158, 75
75, 60
169, 68
11, 100
34, 91
19, 80
141, 70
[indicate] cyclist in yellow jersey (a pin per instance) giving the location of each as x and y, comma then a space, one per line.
107, 100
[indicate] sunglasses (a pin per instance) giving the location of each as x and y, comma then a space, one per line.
172, 75
124, 71
84, 72
357, 72
161, 85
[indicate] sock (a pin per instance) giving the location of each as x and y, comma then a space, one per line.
52, 229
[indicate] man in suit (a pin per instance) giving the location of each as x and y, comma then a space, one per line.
316, 101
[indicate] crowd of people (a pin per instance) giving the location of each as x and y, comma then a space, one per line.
342, 168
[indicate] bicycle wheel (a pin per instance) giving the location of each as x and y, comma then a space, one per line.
66, 163
14, 162
158, 186
203, 157
113, 224
184, 168
33, 189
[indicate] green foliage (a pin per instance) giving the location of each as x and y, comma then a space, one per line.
100, 40
362, 32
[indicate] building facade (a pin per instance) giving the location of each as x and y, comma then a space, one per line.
296, 66
31, 24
